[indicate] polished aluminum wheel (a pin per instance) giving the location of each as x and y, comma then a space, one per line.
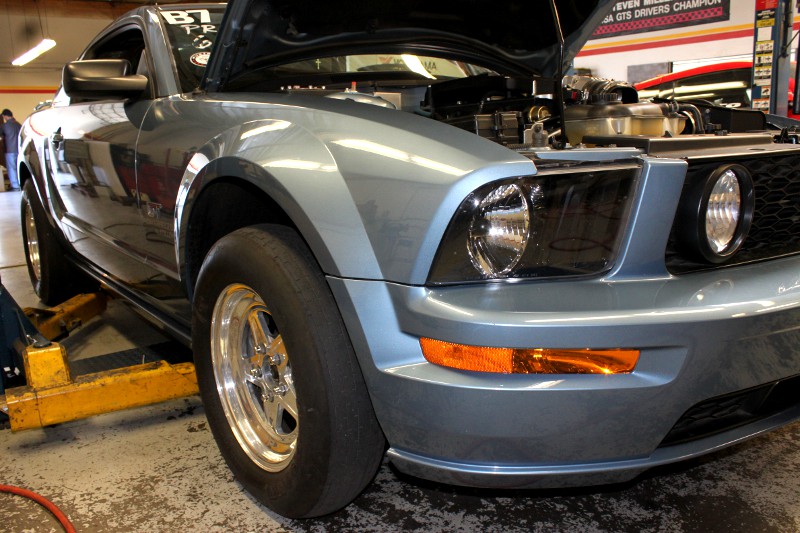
32, 241
254, 378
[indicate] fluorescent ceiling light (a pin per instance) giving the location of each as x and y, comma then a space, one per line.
34, 52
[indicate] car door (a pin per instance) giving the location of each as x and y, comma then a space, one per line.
169, 137
92, 162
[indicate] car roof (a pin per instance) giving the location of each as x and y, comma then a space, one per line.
705, 69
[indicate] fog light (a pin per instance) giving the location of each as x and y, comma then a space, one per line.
723, 212
529, 361
717, 213
499, 231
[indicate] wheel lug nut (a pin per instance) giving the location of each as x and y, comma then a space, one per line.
255, 372
281, 390
275, 359
261, 349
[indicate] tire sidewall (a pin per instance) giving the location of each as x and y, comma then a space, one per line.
59, 279
29, 200
235, 260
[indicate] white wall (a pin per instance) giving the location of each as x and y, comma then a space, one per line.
21, 88
610, 57
20, 91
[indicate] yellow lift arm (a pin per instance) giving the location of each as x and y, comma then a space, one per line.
52, 395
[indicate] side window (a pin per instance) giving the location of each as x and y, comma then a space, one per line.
126, 43
666, 90
726, 87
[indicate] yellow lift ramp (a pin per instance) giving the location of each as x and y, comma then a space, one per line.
53, 394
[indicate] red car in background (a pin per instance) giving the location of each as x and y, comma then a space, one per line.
725, 84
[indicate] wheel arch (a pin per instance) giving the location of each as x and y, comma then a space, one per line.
31, 169
29, 166
24, 174
229, 194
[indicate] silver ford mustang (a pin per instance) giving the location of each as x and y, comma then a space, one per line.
401, 224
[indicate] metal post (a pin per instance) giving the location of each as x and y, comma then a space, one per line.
771, 55
780, 82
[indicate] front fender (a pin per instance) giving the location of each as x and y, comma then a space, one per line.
300, 175
34, 166
371, 190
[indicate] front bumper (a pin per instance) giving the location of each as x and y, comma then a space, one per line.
701, 336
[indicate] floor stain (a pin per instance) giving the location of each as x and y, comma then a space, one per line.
158, 469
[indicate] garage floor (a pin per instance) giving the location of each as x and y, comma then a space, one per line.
158, 469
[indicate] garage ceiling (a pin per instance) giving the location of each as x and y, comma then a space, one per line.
71, 23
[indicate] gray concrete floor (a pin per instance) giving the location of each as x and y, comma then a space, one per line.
157, 469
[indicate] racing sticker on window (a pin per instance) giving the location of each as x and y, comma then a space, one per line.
187, 17
200, 41
196, 23
200, 59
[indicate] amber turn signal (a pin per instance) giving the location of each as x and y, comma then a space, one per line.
529, 361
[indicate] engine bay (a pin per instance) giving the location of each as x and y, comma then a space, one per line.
524, 112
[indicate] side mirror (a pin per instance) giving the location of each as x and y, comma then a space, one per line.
102, 78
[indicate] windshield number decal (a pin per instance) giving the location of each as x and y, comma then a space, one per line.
205, 28
200, 41
184, 17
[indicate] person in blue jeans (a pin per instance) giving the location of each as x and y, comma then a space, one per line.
9, 134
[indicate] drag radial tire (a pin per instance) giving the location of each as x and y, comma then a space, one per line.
54, 278
283, 392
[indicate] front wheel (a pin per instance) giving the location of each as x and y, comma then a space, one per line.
283, 392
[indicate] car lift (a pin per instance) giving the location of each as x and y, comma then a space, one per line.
55, 393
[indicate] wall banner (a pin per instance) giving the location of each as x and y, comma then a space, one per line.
640, 16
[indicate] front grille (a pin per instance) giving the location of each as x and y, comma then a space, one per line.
776, 221
733, 410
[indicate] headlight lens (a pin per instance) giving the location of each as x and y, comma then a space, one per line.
723, 211
499, 231
565, 221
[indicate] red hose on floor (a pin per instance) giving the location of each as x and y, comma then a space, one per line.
41, 500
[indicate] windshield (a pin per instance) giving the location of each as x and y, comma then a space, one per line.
338, 72
428, 67
191, 33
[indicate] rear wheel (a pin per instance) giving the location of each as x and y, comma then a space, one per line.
283, 392
53, 277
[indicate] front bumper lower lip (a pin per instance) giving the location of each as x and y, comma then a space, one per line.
551, 476
701, 337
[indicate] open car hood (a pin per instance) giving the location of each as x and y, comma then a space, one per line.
510, 36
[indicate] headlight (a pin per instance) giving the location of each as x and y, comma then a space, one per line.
499, 231
716, 214
561, 222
